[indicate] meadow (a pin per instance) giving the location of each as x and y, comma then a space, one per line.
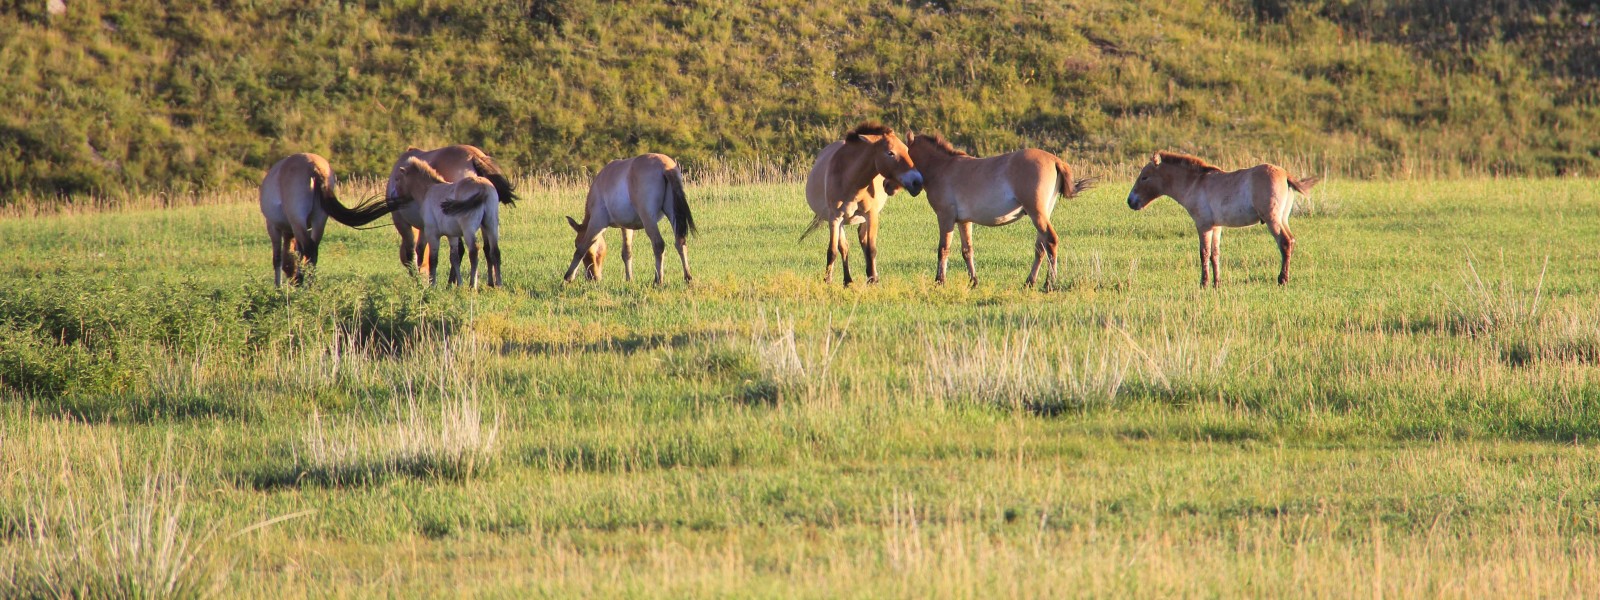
1415, 414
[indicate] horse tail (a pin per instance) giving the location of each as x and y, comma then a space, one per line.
682, 219
1301, 185
502, 186
816, 223
456, 207
322, 183
1069, 187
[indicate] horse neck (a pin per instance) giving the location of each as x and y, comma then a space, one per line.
933, 159
416, 185
1181, 187
857, 173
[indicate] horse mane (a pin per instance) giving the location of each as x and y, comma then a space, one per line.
1188, 160
421, 166
868, 128
939, 142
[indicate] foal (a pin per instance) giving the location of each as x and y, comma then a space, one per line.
993, 191
1217, 199
453, 163
454, 210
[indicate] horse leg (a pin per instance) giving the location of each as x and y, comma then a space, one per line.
456, 251
1205, 256
581, 246
658, 244
472, 254
491, 251
947, 229
1045, 247
966, 252
277, 254
291, 258
844, 256
1285, 247
868, 234
1216, 257
306, 247
408, 243
431, 249
627, 254
833, 249
681, 242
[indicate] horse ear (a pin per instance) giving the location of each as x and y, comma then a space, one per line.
1155, 159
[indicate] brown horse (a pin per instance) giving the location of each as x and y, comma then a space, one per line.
452, 163
993, 191
297, 197
632, 193
1217, 199
456, 210
849, 184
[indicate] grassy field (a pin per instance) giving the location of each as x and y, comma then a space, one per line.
1415, 414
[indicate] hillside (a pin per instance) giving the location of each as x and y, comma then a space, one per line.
126, 96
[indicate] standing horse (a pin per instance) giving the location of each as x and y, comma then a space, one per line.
297, 197
849, 184
993, 191
454, 210
1217, 199
453, 163
632, 193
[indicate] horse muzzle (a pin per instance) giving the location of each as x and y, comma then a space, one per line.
1134, 202
912, 182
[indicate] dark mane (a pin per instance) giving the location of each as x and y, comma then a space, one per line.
1189, 160
868, 128
939, 142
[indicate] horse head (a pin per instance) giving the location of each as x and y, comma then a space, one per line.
890, 156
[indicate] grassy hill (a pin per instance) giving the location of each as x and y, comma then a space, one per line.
131, 96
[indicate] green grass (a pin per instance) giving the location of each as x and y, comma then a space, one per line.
1414, 414
128, 98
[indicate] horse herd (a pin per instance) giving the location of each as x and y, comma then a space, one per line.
455, 192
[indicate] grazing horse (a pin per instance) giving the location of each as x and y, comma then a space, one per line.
632, 193
1217, 199
454, 210
993, 191
849, 184
297, 197
453, 163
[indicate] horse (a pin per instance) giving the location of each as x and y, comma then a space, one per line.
1217, 199
994, 191
629, 194
456, 210
297, 197
849, 185
453, 163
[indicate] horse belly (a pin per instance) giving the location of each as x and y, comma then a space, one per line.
1238, 214
989, 210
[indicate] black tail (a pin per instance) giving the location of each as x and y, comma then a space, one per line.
1069, 187
815, 225
682, 219
1303, 185
366, 212
455, 207
488, 170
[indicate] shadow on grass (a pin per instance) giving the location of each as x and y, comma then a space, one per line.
363, 473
